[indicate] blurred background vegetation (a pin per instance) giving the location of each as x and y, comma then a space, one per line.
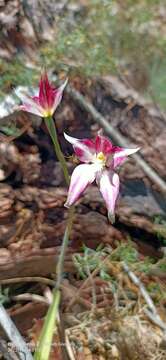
102, 37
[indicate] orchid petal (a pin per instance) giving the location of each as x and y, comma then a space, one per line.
46, 102
29, 104
103, 144
72, 140
120, 156
49, 96
118, 161
82, 176
58, 95
125, 152
46, 92
109, 187
84, 149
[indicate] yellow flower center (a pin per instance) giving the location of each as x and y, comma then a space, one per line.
101, 157
47, 113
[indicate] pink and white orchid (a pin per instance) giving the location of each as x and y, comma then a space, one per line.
46, 102
100, 158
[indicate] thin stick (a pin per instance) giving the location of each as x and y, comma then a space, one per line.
30, 297
152, 314
155, 320
93, 290
13, 335
99, 118
39, 279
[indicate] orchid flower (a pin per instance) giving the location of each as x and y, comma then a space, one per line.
100, 158
46, 102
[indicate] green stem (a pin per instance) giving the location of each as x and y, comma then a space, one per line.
59, 268
53, 134
45, 340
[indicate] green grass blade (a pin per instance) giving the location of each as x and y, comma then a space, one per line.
45, 341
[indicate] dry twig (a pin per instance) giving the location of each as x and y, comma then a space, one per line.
30, 297
152, 313
14, 335
39, 279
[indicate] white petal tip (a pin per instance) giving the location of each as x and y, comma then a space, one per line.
137, 149
111, 217
70, 139
65, 136
66, 205
62, 87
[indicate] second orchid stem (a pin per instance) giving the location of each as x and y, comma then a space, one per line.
59, 268
54, 137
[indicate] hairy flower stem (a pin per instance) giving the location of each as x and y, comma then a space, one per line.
53, 134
